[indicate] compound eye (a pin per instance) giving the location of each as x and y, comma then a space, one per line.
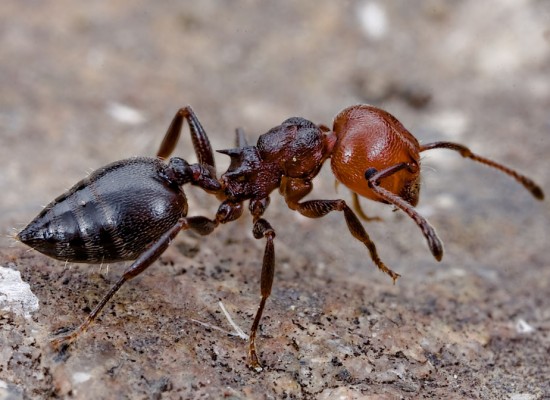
369, 173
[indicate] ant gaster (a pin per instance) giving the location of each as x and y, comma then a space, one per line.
132, 209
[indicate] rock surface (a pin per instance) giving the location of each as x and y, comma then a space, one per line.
83, 85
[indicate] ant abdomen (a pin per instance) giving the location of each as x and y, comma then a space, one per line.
103, 218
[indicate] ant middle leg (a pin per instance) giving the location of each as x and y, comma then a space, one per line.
201, 144
294, 189
262, 229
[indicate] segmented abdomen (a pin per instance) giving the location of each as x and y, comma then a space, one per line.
112, 215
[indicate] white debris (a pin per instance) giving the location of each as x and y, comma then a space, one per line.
80, 377
16, 295
523, 327
125, 114
373, 19
445, 201
239, 332
522, 396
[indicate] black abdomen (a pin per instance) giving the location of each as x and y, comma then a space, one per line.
112, 215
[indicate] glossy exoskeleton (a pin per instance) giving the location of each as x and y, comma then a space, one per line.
132, 209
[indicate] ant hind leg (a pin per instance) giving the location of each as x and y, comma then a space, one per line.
145, 260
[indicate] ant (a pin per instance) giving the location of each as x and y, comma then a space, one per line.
132, 209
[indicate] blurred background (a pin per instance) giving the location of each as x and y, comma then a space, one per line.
89, 83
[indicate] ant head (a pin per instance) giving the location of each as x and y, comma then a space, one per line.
370, 140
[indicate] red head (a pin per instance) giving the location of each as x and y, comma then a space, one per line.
370, 139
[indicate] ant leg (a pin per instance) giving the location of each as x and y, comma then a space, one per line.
202, 225
531, 186
262, 229
138, 266
294, 189
357, 205
228, 211
240, 138
435, 245
359, 210
201, 144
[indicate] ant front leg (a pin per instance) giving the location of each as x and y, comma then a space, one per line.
294, 189
201, 144
199, 224
373, 179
